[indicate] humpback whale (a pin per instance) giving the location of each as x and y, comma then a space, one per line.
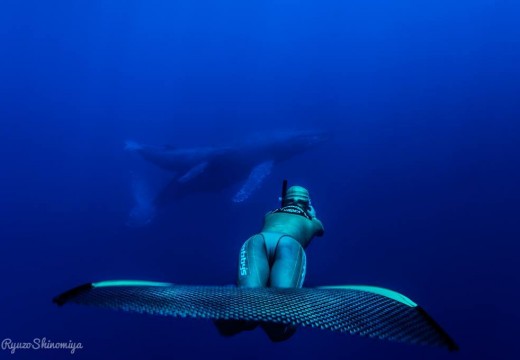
199, 169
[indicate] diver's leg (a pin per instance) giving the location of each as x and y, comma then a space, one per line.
289, 264
253, 265
288, 271
253, 271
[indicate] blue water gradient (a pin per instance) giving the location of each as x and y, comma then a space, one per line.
418, 190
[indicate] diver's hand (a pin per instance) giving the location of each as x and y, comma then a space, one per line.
311, 211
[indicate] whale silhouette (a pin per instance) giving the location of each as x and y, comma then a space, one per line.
201, 169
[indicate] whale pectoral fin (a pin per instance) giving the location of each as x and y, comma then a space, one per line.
253, 182
193, 172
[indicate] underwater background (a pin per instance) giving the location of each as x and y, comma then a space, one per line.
418, 189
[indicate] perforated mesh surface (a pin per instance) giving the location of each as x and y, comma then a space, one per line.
342, 310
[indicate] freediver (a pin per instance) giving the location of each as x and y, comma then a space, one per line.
275, 257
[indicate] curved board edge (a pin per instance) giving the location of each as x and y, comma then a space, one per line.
394, 295
84, 289
450, 343
130, 283
64, 298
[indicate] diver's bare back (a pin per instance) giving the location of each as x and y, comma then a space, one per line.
297, 227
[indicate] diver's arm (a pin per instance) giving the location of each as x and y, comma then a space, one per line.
319, 230
318, 226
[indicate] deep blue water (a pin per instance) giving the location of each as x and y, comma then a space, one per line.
419, 190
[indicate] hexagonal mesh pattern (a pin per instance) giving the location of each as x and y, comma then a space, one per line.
342, 310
